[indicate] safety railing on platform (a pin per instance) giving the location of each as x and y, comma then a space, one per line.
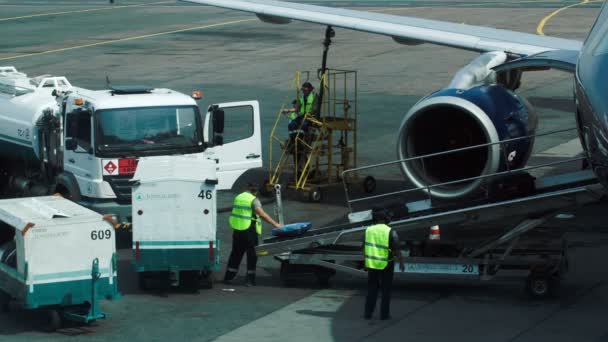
328, 144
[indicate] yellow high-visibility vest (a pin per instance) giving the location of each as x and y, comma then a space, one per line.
306, 106
242, 214
377, 246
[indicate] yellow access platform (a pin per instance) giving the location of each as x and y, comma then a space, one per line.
325, 145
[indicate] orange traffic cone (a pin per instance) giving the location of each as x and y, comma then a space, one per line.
434, 233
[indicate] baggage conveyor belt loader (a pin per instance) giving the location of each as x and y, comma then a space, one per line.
492, 234
56, 256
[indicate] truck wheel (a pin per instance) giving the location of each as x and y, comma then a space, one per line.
52, 321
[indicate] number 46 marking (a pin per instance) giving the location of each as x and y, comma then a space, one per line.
205, 194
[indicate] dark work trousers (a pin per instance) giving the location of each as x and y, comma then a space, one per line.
379, 280
243, 241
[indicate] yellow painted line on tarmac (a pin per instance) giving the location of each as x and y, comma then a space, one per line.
127, 39
83, 11
543, 22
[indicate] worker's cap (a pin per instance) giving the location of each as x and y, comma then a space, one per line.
307, 85
380, 214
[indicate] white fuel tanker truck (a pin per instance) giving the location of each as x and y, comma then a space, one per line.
85, 144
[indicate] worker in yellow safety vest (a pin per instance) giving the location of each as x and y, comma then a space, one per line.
307, 103
380, 247
247, 226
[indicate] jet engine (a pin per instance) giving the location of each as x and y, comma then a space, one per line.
452, 119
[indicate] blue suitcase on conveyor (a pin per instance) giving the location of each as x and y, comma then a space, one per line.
293, 229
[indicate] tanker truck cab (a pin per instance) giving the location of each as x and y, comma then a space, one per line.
107, 131
85, 144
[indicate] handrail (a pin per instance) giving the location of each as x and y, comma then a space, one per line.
496, 174
427, 189
455, 150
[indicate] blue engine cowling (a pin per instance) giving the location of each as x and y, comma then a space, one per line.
452, 119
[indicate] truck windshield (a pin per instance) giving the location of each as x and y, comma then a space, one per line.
147, 128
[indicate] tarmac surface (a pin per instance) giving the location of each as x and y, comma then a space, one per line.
231, 56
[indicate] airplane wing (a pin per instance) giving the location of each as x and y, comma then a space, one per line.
405, 30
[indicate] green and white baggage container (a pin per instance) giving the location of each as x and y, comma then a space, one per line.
174, 221
57, 256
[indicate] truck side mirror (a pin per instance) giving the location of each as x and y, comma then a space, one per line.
218, 121
71, 144
218, 140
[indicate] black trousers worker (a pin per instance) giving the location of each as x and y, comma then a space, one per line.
243, 242
379, 281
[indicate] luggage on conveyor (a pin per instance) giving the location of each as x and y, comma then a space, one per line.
293, 229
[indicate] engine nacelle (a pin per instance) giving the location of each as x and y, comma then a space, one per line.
451, 119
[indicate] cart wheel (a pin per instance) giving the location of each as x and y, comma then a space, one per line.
206, 280
540, 286
369, 184
52, 321
315, 195
142, 281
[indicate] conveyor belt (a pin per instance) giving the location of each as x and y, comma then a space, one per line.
314, 232
553, 194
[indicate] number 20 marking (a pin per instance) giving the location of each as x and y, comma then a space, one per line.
467, 268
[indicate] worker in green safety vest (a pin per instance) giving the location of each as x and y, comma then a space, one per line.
247, 226
307, 103
380, 247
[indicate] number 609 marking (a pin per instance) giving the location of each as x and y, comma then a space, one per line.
101, 234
